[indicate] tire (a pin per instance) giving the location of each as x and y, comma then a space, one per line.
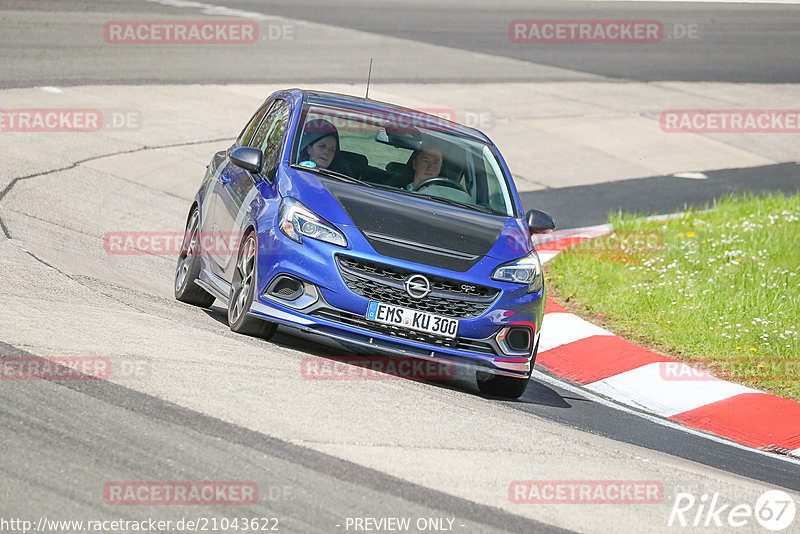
506, 387
242, 291
188, 268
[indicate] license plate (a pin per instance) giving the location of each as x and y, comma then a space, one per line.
412, 319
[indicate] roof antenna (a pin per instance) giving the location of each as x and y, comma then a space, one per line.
366, 96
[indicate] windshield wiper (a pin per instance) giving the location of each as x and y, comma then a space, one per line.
343, 177
328, 172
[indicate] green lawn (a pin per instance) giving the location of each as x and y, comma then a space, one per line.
718, 289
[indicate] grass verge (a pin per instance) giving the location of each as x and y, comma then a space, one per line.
718, 289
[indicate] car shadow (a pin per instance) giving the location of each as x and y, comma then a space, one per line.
390, 367
543, 395
331, 360
218, 314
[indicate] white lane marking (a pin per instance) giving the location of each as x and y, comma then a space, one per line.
576, 390
690, 175
218, 11
547, 255
646, 387
561, 328
541, 241
50, 89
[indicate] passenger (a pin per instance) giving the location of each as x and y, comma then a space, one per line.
426, 163
320, 144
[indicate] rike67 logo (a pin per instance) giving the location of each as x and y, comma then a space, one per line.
774, 510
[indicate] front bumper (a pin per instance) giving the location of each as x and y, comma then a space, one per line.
338, 311
340, 315
322, 322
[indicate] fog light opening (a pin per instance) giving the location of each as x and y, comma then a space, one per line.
292, 292
514, 340
519, 339
286, 288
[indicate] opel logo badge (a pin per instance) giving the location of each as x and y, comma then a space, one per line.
417, 286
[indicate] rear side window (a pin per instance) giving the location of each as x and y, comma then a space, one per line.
270, 134
249, 130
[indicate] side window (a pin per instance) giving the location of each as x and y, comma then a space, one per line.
270, 135
247, 133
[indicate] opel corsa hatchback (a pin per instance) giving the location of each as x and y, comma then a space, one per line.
374, 225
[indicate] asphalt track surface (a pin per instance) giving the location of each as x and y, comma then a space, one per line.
735, 43
114, 432
589, 205
730, 42
110, 420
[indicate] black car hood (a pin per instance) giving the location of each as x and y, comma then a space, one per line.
407, 228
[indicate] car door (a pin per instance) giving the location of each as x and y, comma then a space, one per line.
215, 210
238, 191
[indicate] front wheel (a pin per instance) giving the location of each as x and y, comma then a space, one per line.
507, 387
188, 268
242, 291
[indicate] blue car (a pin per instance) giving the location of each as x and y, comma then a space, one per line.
374, 225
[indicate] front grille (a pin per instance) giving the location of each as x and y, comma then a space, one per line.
384, 283
359, 321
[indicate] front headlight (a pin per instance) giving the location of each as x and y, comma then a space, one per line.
526, 270
297, 221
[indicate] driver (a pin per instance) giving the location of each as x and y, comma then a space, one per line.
320, 144
426, 163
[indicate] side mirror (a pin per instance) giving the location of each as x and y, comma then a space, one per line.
539, 222
249, 159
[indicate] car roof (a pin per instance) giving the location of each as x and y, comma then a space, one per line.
367, 104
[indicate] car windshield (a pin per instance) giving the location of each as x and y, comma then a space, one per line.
414, 154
